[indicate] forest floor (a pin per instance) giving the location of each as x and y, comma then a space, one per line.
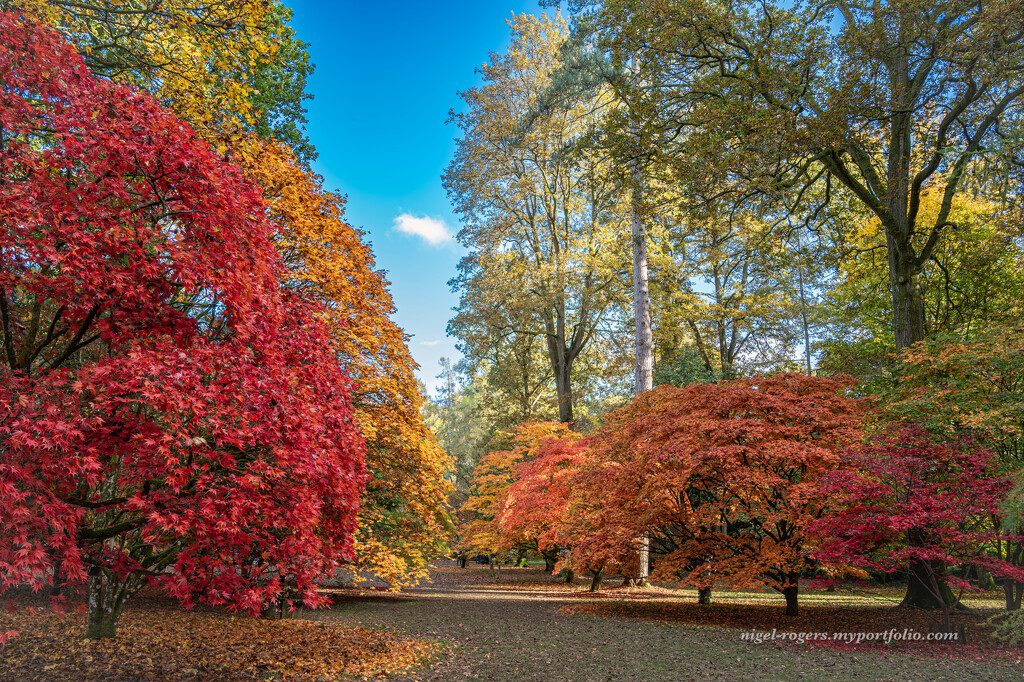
521, 624
526, 625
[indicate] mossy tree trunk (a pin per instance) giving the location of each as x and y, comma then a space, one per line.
925, 593
107, 596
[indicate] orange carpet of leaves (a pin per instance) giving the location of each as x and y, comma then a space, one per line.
160, 643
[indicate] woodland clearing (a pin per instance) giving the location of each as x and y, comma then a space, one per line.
519, 623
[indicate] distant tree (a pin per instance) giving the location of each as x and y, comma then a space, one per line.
539, 502
454, 415
499, 522
973, 281
739, 303
684, 367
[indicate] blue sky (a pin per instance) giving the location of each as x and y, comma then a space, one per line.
386, 75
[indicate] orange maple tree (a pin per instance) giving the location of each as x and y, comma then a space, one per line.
543, 502
723, 478
535, 504
403, 516
500, 520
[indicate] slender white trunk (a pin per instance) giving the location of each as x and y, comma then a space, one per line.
644, 377
803, 305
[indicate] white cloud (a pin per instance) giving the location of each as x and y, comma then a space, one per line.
431, 343
430, 230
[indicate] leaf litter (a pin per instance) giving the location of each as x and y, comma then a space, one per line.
157, 641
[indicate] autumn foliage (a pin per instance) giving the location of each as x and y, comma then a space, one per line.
537, 504
969, 390
219, 64
169, 412
160, 642
517, 500
907, 500
195, 56
957, 386
403, 517
724, 478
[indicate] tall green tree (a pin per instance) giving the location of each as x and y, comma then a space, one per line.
882, 101
539, 216
973, 281
738, 302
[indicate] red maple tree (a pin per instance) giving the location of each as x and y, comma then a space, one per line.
167, 412
905, 500
538, 503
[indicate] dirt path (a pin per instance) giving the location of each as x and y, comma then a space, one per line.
509, 632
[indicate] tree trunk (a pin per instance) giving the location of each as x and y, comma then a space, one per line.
550, 559
1013, 591
595, 581
645, 561
563, 388
908, 329
276, 609
107, 597
58, 583
494, 563
704, 595
803, 307
985, 581
925, 579
644, 375
907, 302
570, 576
722, 328
791, 593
